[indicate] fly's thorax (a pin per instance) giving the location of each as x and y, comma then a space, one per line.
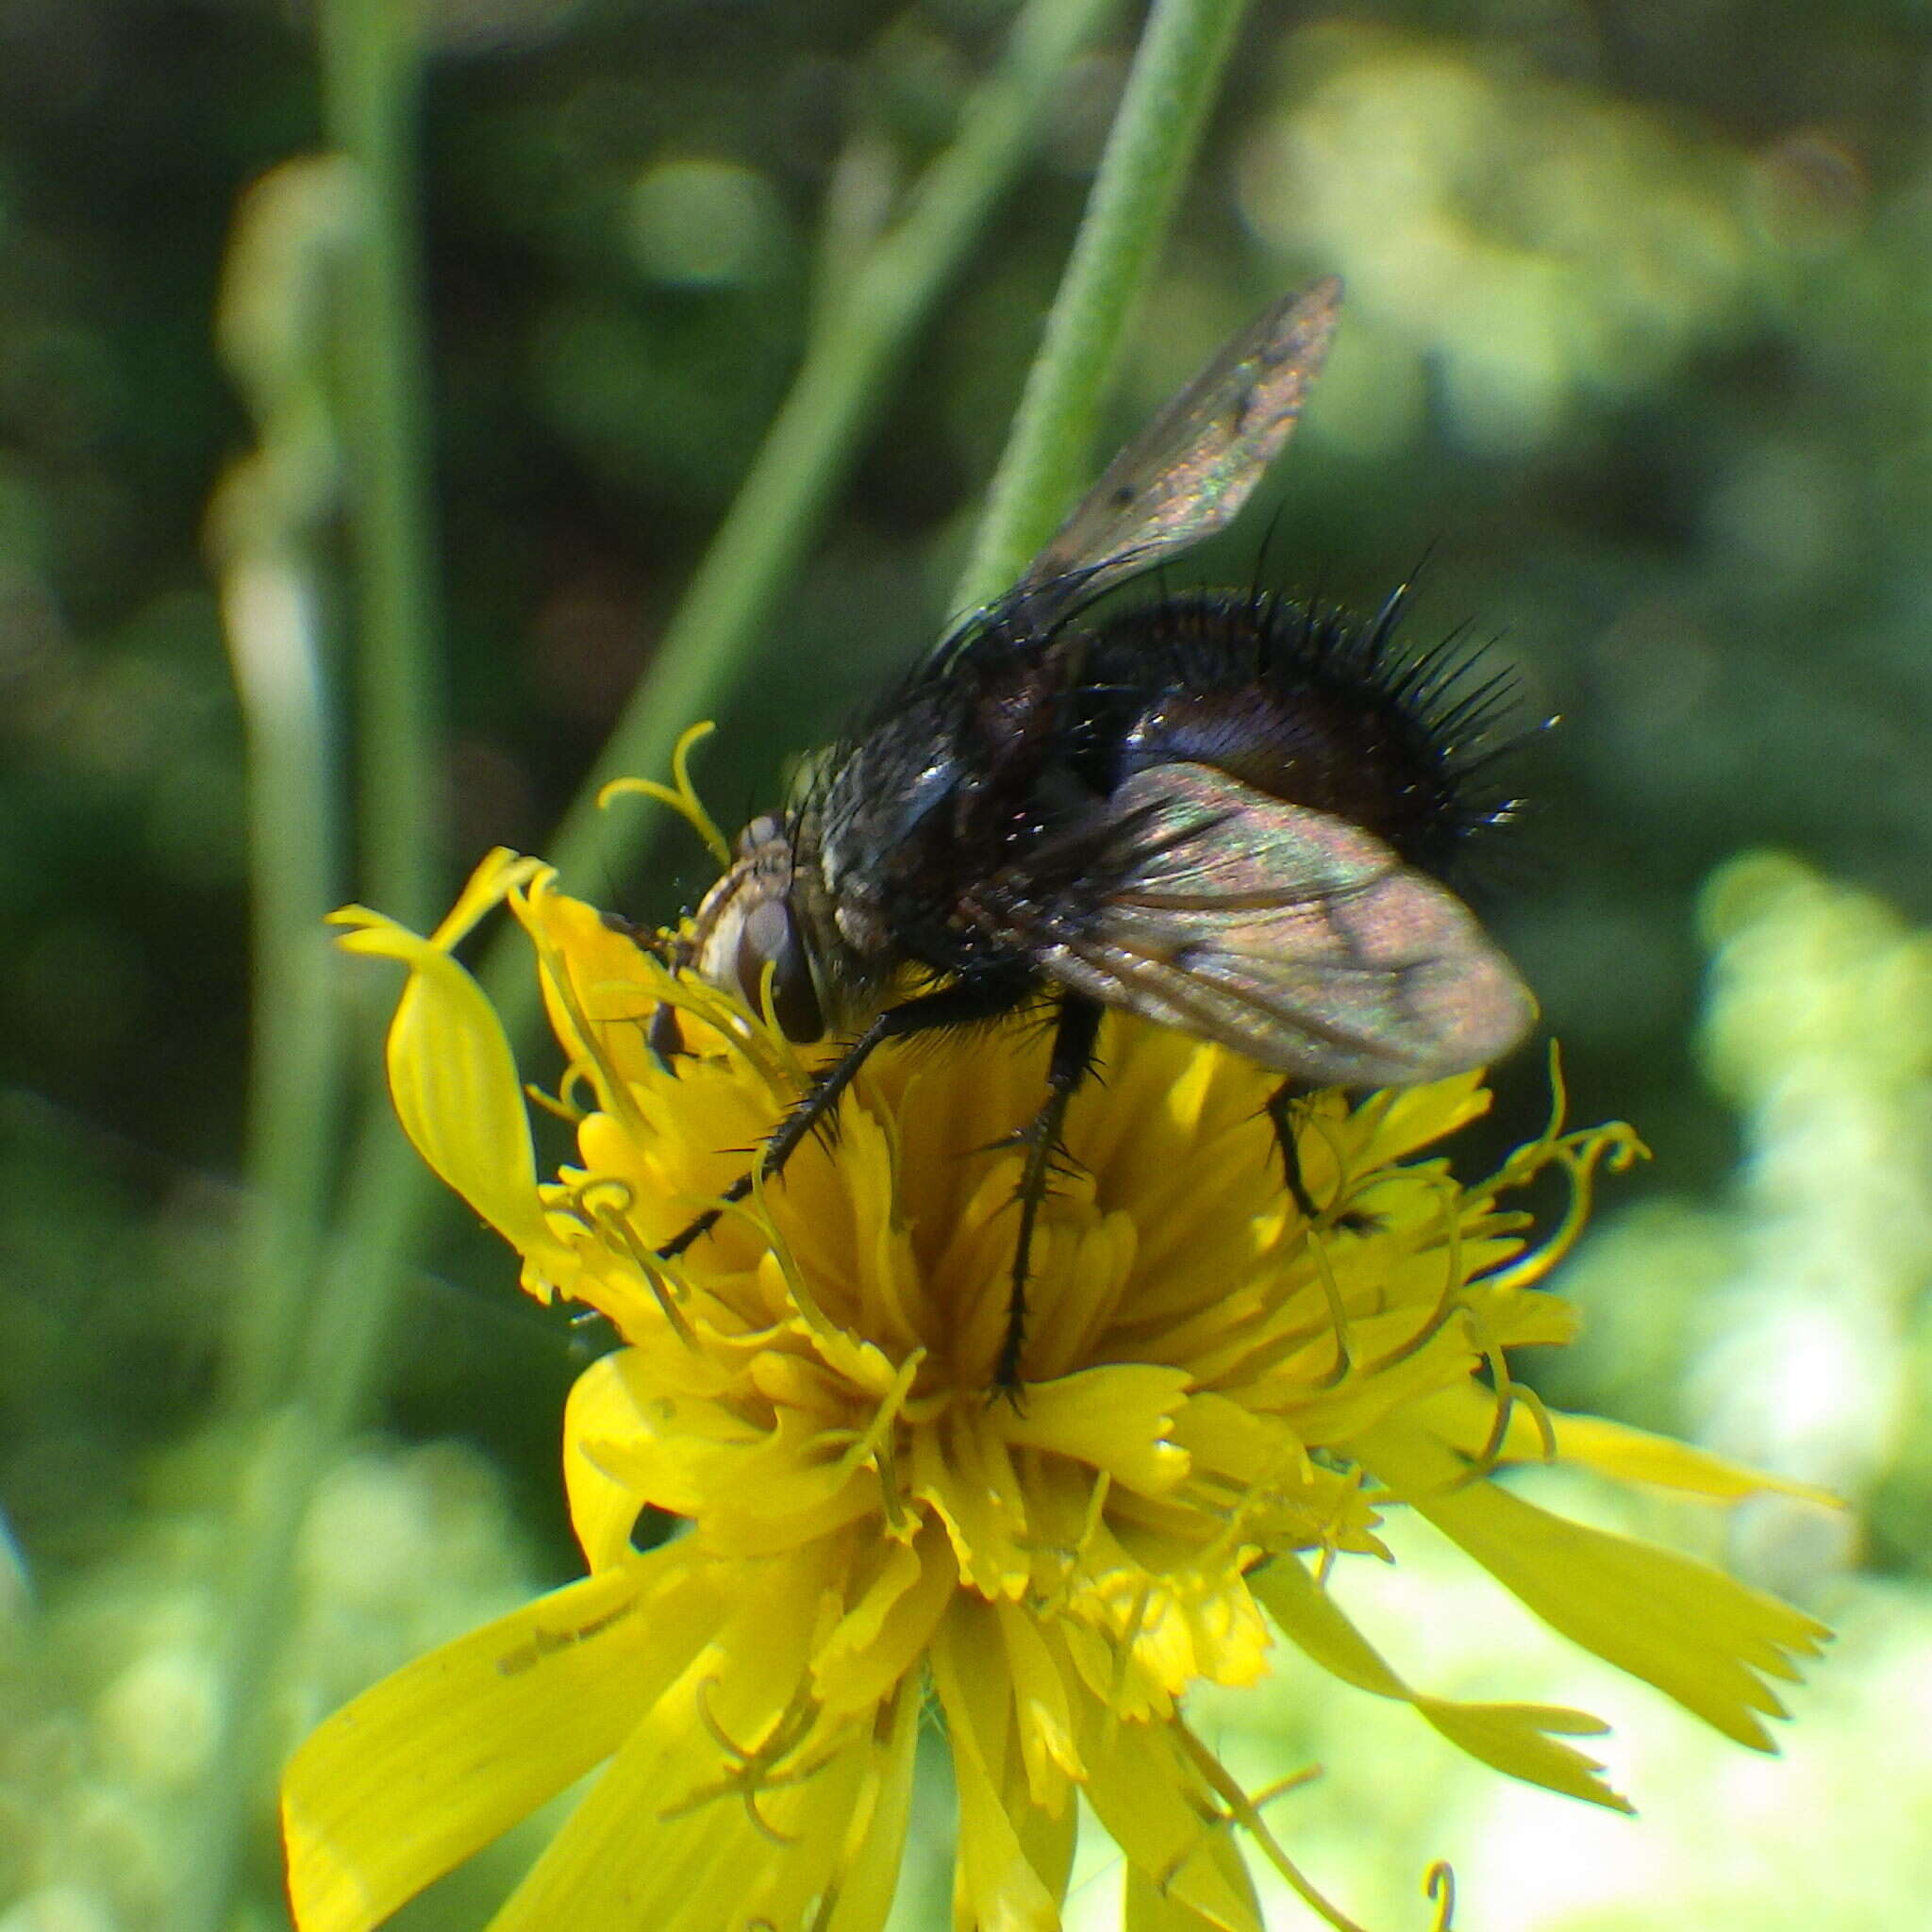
877, 840
938, 787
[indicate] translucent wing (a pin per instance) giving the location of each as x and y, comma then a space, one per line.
1191, 469
1291, 936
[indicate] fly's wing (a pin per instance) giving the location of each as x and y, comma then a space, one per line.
1290, 936
1191, 469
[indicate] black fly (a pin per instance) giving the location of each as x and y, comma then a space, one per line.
1221, 811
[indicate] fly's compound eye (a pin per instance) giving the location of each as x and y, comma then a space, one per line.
769, 937
768, 828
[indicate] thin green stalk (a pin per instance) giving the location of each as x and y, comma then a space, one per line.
272, 615
271, 596
1150, 148
845, 377
267, 537
370, 67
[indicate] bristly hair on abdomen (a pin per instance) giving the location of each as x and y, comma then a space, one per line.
1308, 703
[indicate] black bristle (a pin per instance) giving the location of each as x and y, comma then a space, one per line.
1308, 703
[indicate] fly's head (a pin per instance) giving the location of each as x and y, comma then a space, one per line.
747, 930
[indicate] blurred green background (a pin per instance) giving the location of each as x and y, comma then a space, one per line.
1635, 366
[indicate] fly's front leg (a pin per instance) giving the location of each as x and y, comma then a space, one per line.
962, 1004
1075, 1028
663, 1032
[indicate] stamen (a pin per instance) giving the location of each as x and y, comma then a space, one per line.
680, 795
1449, 1300
1338, 1319
1243, 1813
798, 1073
1318, 1125
667, 1286
1615, 1146
578, 1198
875, 1445
1069, 1558
756, 1771
554, 1105
1508, 1392
1123, 1660
1491, 1451
575, 1077
1266, 1489
826, 1333
1295, 1781
613, 1090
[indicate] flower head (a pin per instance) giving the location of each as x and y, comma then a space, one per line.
1220, 1401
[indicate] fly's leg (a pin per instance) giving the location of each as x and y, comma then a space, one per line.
1280, 1110
964, 1003
663, 1034
1075, 1029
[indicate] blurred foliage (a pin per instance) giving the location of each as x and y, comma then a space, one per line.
1632, 371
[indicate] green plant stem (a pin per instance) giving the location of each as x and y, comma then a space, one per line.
303, 1442
265, 538
804, 456
272, 612
844, 380
370, 67
263, 530
1150, 148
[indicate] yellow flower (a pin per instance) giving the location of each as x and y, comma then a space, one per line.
1220, 1403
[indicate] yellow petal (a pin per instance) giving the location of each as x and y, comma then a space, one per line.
596, 984
1405, 1118
1151, 1905
657, 1843
996, 1886
876, 1841
1697, 1635
605, 1406
882, 1638
691, 1826
1465, 1416
1042, 1707
1402, 1378
437, 1760
1144, 1907
962, 1473
1512, 1737
453, 1082
1156, 1807
1636, 1456
758, 1490
500, 874
1119, 1418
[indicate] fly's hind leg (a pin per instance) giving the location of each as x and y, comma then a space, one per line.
1280, 1110
1076, 1026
